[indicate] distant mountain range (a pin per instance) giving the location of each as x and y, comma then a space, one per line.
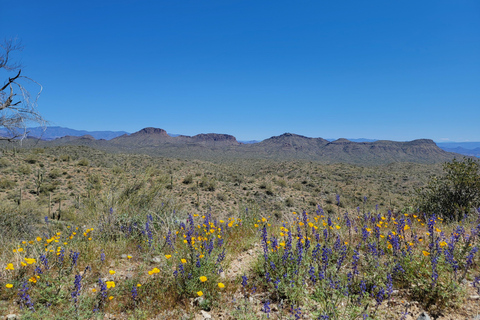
287, 146
51, 133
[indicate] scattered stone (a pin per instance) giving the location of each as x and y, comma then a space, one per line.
109, 316
477, 317
205, 314
222, 275
198, 301
124, 256
475, 297
423, 316
11, 316
156, 259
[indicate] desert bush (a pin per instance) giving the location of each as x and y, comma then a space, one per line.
188, 179
24, 169
83, 162
6, 184
55, 173
4, 163
18, 222
455, 193
31, 158
65, 158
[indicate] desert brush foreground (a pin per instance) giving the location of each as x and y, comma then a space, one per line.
91, 235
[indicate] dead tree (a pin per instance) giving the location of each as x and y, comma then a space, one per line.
18, 108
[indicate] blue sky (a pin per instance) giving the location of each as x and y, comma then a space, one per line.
397, 70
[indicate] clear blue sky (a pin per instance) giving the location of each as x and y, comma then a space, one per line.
397, 70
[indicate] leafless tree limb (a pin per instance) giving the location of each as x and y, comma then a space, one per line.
17, 107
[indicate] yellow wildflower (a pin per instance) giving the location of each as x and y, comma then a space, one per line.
203, 278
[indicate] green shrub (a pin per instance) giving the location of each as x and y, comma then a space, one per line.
6, 184
454, 193
24, 169
4, 163
32, 159
55, 173
83, 162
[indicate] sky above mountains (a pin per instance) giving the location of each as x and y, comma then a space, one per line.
253, 69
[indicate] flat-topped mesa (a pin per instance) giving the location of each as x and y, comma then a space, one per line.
216, 139
73, 138
151, 130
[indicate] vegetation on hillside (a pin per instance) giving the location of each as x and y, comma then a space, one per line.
90, 234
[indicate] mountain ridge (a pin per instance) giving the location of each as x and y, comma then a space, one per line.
287, 146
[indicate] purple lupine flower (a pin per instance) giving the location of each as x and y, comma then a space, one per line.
168, 240
267, 277
221, 257
244, 281
380, 296
356, 258
476, 283
470, 257
311, 272
389, 285
276, 283
44, 260
134, 293
363, 289
264, 242
77, 286
398, 269
365, 233
266, 308
337, 198
74, 257
343, 254
325, 256
272, 265
348, 223
37, 270
25, 300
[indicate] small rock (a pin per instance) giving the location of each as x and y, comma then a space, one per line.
11, 316
222, 275
477, 317
205, 314
395, 292
475, 297
156, 259
423, 316
124, 256
198, 301
273, 307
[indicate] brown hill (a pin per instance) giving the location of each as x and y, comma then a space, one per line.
288, 146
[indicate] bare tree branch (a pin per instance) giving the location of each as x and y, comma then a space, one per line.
17, 108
